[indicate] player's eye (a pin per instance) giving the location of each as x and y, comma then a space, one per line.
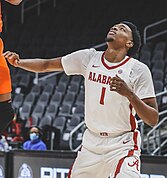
123, 29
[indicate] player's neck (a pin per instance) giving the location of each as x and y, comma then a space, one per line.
113, 55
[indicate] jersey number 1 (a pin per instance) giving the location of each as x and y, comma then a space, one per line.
103, 91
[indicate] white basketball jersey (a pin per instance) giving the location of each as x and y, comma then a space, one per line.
105, 110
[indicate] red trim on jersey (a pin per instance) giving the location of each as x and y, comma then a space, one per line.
112, 67
130, 153
132, 119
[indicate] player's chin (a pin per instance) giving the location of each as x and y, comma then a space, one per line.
109, 39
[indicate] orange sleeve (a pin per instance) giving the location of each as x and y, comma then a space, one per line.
5, 80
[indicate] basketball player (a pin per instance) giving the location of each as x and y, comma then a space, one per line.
6, 111
117, 86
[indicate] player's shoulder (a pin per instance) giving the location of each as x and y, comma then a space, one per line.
89, 51
138, 65
95, 53
140, 69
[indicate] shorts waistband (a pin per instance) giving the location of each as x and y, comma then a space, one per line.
106, 134
5, 102
5, 105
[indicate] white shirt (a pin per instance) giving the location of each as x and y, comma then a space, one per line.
105, 110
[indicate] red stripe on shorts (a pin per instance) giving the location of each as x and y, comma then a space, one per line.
130, 153
69, 174
132, 119
135, 135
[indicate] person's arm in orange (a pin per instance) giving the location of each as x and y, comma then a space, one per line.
14, 2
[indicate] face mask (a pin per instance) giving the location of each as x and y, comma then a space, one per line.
33, 136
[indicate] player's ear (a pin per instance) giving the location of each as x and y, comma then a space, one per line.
129, 44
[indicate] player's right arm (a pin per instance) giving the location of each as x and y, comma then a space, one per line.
34, 65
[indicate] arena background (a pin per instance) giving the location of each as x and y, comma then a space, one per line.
142, 13
55, 28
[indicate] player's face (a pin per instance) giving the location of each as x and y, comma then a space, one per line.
120, 33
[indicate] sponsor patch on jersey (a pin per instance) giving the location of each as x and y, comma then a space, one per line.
120, 71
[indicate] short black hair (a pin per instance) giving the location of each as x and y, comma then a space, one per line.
133, 51
39, 129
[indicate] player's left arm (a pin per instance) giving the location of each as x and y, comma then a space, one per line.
146, 109
14, 2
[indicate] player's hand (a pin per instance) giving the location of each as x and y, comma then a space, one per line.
12, 58
118, 85
14, 2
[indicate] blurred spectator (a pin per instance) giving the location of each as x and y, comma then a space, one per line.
16, 128
4, 144
35, 142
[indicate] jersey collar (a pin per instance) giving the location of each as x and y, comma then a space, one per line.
113, 67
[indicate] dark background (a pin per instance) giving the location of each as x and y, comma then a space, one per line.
107, 12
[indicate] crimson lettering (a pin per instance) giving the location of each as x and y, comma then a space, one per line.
99, 78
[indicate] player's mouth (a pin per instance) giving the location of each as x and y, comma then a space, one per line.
112, 32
